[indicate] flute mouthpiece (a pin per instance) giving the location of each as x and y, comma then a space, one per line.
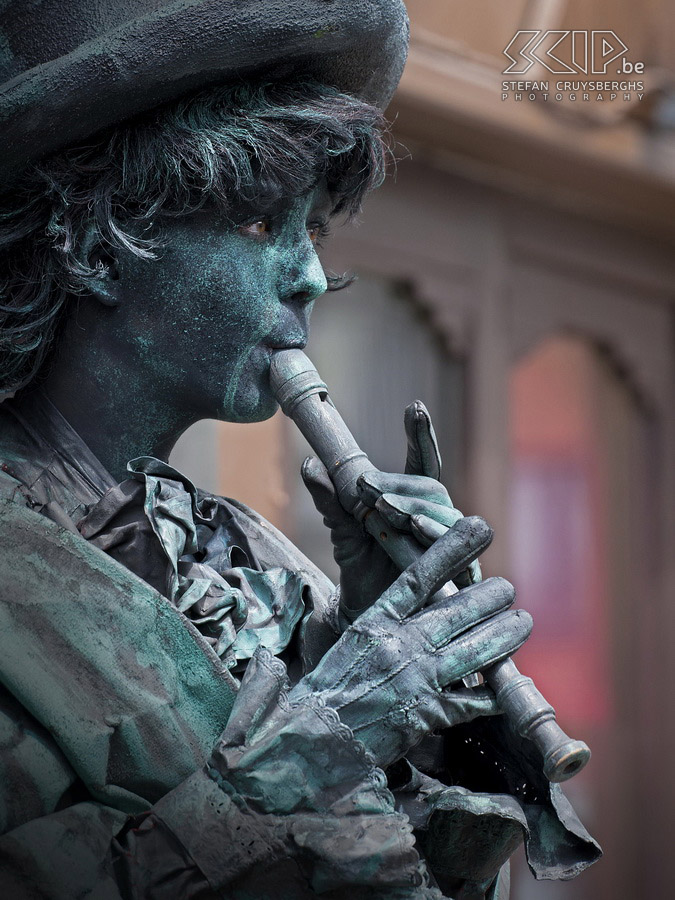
285, 364
293, 377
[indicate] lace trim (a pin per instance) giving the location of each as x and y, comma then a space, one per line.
372, 774
278, 669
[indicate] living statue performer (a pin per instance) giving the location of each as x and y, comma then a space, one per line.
188, 708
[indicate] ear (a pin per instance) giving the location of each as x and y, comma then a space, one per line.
104, 286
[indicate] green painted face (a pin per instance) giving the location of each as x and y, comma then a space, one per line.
203, 320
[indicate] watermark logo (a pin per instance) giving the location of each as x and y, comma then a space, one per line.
569, 53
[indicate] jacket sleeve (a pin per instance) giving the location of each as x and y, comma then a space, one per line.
289, 798
288, 801
114, 703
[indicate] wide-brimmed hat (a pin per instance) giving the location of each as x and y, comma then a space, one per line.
70, 68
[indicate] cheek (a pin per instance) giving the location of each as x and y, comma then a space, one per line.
209, 305
227, 300
248, 304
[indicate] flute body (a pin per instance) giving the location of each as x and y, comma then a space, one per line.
304, 397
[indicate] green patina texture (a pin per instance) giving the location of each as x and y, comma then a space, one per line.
188, 258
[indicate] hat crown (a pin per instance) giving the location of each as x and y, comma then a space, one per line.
70, 68
39, 31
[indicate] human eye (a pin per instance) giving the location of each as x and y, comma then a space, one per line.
258, 228
318, 232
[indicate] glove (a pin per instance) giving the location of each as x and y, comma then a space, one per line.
415, 502
388, 676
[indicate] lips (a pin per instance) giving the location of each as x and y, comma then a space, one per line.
288, 339
294, 345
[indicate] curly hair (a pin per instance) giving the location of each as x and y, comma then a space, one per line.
233, 143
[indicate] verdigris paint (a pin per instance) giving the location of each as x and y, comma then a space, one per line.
187, 706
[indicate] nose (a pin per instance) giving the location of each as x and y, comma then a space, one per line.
304, 279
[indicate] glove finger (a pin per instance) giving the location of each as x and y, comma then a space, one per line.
466, 704
373, 484
321, 489
472, 575
425, 530
484, 645
442, 622
398, 510
423, 457
449, 556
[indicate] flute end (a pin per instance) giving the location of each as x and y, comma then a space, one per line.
566, 760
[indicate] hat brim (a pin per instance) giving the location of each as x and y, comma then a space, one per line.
358, 46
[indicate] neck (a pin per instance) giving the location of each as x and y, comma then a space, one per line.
116, 410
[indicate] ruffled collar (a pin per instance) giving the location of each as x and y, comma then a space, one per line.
192, 547
181, 541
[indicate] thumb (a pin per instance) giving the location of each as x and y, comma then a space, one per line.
423, 456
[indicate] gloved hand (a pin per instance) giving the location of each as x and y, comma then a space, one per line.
388, 676
415, 502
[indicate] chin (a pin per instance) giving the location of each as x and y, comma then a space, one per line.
261, 413
250, 406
